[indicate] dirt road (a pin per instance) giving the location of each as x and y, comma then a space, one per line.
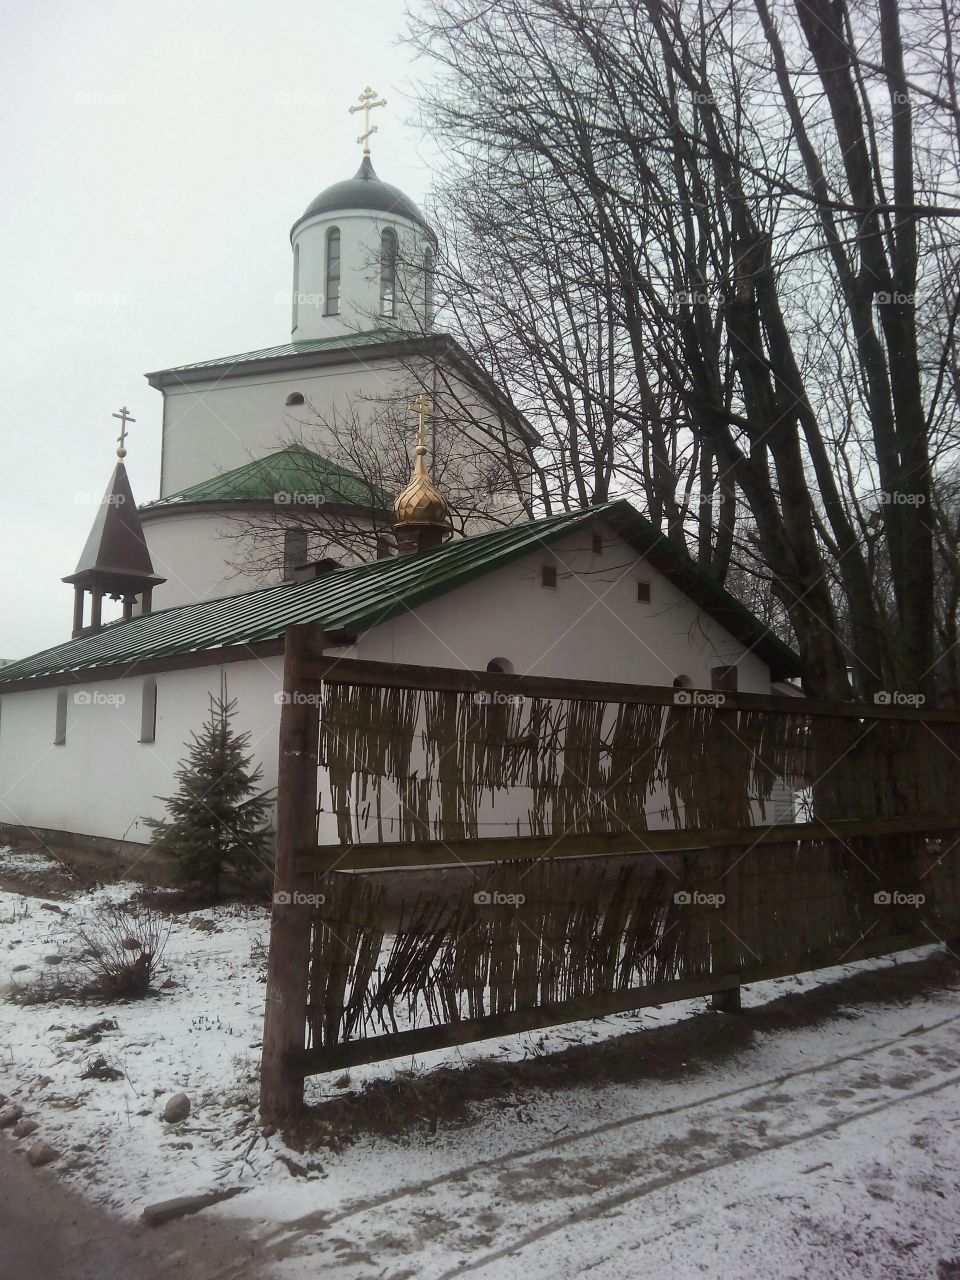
48, 1232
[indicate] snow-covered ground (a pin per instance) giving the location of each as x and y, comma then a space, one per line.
830, 1149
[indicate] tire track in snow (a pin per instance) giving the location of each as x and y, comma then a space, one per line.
326, 1219
599, 1208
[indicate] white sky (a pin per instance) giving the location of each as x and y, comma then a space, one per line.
154, 159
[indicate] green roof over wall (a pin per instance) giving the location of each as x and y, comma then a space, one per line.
295, 470
355, 599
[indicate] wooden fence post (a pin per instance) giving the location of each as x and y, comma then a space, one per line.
285, 1016
729, 859
729, 912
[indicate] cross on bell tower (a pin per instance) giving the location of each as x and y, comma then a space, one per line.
115, 561
124, 416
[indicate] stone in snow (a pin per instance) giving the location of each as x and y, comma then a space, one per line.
155, 1215
177, 1108
10, 1115
24, 1128
42, 1153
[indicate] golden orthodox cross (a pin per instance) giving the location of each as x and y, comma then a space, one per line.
124, 416
421, 407
368, 100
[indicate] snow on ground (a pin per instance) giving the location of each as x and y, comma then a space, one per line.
820, 1151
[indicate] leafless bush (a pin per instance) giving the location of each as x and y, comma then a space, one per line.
122, 947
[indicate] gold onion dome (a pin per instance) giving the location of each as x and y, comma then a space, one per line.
421, 502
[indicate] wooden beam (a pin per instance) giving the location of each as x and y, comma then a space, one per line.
288, 963
397, 675
354, 1053
322, 859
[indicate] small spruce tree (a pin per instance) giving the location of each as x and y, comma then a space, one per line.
216, 826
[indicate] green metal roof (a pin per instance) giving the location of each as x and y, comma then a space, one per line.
355, 599
340, 342
295, 470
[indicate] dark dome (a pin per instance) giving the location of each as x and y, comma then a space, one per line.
364, 191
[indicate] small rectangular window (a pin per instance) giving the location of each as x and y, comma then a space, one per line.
60, 730
598, 544
148, 711
384, 549
548, 575
643, 592
296, 284
332, 299
388, 272
724, 679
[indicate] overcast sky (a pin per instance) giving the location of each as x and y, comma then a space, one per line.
154, 158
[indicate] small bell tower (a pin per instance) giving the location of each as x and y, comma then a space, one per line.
422, 514
115, 561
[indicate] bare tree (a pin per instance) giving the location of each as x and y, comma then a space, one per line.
712, 252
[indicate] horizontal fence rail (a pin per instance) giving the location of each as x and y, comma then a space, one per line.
389, 675
393, 855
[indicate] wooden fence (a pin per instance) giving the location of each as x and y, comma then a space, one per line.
591, 911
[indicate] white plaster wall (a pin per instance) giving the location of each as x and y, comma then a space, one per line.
103, 781
590, 627
212, 427
360, 232
199, 553
196, 553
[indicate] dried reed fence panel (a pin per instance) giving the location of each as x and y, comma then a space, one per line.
524, 937
414, 764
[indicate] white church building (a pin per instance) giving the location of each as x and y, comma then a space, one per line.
93, 729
